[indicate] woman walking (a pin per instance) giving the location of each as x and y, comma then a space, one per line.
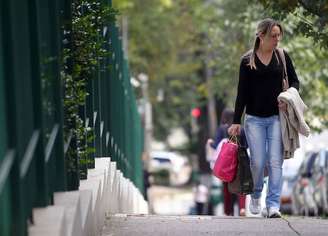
260, 83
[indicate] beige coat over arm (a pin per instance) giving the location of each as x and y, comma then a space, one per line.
292, 121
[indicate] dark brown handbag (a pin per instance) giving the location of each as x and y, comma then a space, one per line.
243, 182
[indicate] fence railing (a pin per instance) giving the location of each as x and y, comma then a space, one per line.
32, 148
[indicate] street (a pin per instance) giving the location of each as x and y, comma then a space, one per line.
165, 200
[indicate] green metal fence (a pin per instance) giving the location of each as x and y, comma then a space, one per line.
32, 149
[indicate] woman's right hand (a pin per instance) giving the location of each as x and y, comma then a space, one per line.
234, 129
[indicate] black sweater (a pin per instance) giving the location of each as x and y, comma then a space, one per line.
258, 89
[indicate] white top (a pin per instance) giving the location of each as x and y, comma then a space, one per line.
201, 193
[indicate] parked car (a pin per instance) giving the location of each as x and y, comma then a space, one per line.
289, 178
303, 202
172, 166
288, 183
320, 181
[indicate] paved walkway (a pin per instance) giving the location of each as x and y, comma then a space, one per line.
155, 225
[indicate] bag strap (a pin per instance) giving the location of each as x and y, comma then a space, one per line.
234, 139
285, 84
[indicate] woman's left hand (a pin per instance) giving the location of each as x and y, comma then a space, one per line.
210, 141
282, 106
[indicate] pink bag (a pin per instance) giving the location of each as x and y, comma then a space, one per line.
225, 167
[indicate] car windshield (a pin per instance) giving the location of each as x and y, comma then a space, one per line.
306, 167
162, 160
310, 164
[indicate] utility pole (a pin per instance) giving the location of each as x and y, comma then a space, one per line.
125, 36
148, 120
211, 111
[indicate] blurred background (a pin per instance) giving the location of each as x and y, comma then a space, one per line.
135, 89
184, 60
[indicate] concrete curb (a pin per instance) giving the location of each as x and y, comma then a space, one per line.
83, 212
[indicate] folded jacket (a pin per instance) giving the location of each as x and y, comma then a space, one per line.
292, 121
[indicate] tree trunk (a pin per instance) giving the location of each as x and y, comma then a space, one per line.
211, 111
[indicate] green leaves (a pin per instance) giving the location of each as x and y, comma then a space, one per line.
311, 15
306, 23
87, 50
172, 41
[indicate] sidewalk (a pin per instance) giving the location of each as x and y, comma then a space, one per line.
144, 225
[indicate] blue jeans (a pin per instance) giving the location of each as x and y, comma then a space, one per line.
265, 143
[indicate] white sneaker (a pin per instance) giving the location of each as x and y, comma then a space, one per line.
255, 206
274, 212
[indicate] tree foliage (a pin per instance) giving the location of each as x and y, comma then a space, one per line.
172, 41
80, 61
311, 16
306, 23
163, 44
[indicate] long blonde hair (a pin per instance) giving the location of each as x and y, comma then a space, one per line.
264, 27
